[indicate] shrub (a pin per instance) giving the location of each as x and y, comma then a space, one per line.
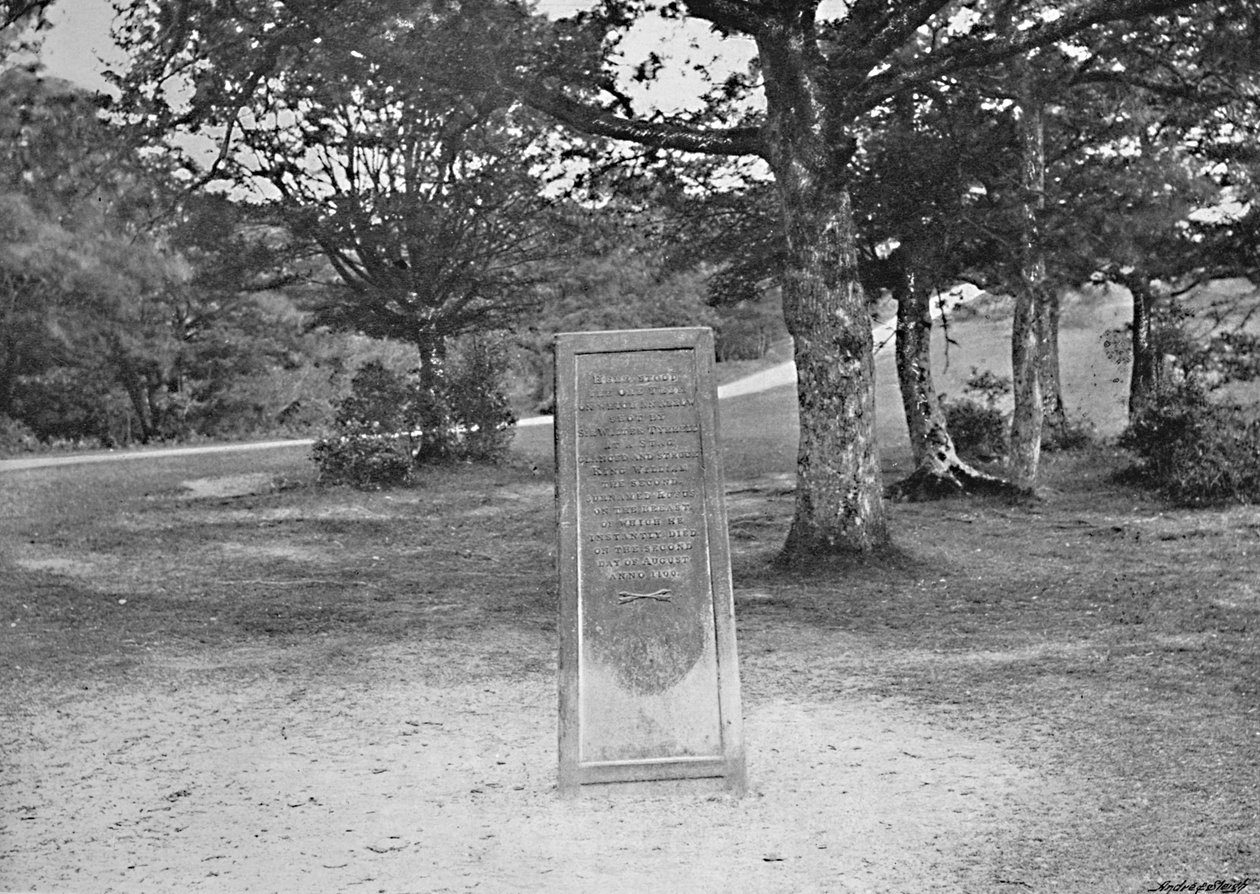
377, 401
1195, 442
977, 424
362, 460
389, 423
1194, 451
371, 445
1074, 433
16, 437
977, 430
480, 414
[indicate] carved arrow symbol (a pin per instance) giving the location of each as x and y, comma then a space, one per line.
659, 596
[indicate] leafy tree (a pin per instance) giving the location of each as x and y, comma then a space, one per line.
1164, 133
818, 79
127, 311
417, 194
922, 184
65, 262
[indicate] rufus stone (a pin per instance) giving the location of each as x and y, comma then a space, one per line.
649, 684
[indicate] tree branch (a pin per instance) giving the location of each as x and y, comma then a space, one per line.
978, 52
729, 15
1187, 90
659, 134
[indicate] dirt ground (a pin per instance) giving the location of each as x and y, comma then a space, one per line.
357, 777
217, 678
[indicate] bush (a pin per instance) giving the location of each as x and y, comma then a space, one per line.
480, 415
372, 443
388, 423
1197, 452
16, 437
1074, 433
978, 431
977, 425
361, 460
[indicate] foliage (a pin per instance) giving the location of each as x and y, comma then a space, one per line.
1195, 451
371, 445
977, 423
475, 392
1195, 442
821, 79
417, 195
1076, 432
16, 437
364, 461
616, 275
390, 423
130, 311
747, 330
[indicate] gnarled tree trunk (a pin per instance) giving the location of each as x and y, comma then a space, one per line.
939, 472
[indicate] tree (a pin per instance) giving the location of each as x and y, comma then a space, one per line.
126, 308
418, 195
64, 262
922, 184
1141, 133
818, 80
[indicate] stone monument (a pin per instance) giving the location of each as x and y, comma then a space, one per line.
649, 682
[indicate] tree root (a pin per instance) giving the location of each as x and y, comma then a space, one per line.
938, 478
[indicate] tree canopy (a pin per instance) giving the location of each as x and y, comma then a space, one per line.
820, 81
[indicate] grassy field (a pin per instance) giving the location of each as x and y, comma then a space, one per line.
1026, 696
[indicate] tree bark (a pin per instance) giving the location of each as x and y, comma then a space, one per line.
1054, 410
1028, 414
938, 472
839, 499
8, 375
134, 385
914, 366
1144, 378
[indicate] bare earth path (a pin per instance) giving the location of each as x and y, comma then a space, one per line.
366, 779
183, 734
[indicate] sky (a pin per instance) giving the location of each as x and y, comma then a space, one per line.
78, 48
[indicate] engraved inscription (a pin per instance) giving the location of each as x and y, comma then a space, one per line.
641, 515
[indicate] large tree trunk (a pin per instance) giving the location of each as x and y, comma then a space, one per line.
839, 500
1028, 415
939, 472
